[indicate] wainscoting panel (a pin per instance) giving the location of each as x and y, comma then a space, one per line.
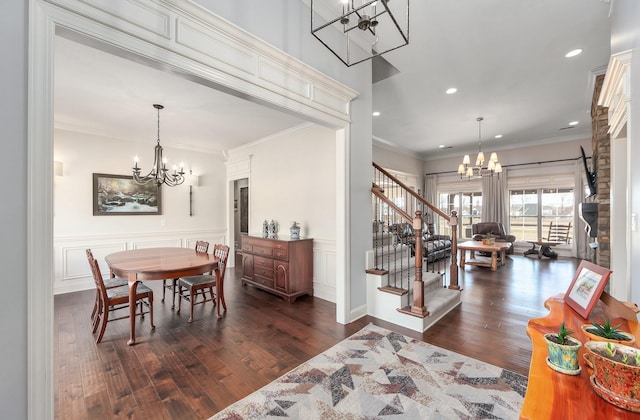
72, 272
324, 269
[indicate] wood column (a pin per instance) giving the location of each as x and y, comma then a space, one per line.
418, 307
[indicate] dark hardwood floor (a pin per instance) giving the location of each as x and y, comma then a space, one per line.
184, 370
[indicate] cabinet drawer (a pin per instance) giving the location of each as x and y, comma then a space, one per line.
281, 251
263, 271
262, 250
246, 246
262, 262
266, 281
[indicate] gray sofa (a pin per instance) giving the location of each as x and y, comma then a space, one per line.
434, 247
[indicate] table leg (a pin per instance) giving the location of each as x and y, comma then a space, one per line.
503, 257
133, 291
462, 255
533, 250
494, 260
219, 291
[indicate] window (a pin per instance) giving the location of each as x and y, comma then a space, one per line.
468, 205
532, 210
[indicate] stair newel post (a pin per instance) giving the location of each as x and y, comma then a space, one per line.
453, 269
418, 286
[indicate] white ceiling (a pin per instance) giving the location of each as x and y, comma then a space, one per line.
506, 57
103, 94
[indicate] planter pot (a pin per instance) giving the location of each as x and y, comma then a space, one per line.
613, 380
563, 358
488, 241
594, 337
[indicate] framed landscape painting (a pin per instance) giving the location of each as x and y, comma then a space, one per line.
115, 195
586, 287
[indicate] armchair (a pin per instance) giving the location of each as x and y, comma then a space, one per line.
480, 231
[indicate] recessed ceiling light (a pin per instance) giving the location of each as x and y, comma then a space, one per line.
573, 53
574, 123
442, 146
498, 136
376, 113
451, 91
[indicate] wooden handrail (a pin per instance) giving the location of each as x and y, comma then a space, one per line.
412, 192
377, 191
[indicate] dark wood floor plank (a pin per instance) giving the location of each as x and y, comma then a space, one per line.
192, 370
98, 405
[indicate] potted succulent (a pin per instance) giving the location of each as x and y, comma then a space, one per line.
563, 351
616, 373
606, 332
489, 239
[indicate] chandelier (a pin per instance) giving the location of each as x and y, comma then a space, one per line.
358, 30
479, 169
159, 172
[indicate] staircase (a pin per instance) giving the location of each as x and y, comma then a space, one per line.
400, 288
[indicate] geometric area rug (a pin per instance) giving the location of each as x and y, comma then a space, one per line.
380, 374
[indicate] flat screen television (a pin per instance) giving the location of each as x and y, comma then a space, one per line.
591, 176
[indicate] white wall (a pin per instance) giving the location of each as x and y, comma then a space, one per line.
286, 25
625, 35
13, 211
293, 178
398, 161
542, 153
76, 228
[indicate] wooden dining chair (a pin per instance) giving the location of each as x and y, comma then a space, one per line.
201, 247
109, 283
116, 298
189, 287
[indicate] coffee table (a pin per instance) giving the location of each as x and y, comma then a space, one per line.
544, 250
497, 250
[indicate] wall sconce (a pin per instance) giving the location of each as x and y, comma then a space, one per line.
57, 168
193, 180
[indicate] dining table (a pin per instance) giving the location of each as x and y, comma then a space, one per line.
160, 264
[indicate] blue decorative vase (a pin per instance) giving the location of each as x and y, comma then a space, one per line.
294, 231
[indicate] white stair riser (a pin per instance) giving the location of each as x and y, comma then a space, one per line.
438, 301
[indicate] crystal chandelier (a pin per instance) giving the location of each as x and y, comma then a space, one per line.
159, 172
358, 30
479, 169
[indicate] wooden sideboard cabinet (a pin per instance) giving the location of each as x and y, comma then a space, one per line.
280, 266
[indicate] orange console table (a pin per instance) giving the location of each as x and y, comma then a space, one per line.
553, 395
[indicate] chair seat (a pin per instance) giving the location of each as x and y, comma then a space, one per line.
196, 280
123, 291
115, 282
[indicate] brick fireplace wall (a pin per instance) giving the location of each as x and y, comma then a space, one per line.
601, 163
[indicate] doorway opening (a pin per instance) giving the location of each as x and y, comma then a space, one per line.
240, 215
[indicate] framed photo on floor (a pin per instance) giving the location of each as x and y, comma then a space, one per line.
116, 195
586, 287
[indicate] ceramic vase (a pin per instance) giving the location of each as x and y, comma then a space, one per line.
563, 357
294, 231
